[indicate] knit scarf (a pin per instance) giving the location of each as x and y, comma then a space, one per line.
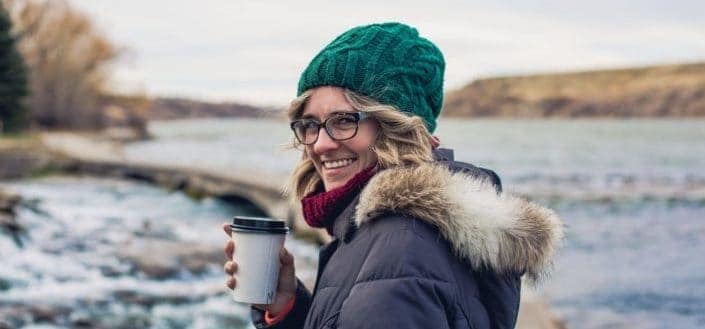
320, 208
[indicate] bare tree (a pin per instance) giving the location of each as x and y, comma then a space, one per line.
69, 62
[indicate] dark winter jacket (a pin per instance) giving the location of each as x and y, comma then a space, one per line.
435, 246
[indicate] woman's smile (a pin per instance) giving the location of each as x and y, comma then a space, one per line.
336, 164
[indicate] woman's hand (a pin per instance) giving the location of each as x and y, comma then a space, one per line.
286, 287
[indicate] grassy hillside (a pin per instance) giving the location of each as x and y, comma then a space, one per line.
656, 91
179, 108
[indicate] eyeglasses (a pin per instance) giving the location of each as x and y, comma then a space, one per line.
339, 126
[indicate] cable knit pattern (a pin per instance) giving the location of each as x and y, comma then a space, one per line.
388, 62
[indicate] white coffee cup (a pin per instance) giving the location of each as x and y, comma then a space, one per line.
257, 244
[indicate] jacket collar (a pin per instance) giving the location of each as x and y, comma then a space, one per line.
441, 154
344, 225
492, 231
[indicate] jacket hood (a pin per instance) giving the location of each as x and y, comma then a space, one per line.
492, 231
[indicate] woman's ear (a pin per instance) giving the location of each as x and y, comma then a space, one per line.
435, 142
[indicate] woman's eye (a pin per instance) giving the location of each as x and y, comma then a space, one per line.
345, 120
310, 124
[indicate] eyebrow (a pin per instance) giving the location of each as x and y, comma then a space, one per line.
336, 111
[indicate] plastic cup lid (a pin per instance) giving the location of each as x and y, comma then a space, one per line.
258, 224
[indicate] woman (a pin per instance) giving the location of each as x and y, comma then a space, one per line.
419, 240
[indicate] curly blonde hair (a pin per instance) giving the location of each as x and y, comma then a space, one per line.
403, 140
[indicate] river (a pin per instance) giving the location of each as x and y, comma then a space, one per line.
632, 194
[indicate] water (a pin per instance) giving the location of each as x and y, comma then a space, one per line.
220, 144
632, 194
103, 253
580, 158
631, 264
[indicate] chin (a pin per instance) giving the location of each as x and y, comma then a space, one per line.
335, 184
337, 177
334, 178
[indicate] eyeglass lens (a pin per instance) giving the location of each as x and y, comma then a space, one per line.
339, 127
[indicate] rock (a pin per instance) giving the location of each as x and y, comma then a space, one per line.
8, 222
22, 162
134, 319
161, 259
123, 134
149, 300
5, 284
43, 313
16, 316
84, 319
8, 200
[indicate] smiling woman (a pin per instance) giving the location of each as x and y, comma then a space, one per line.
369, 175
346, 147
404, 135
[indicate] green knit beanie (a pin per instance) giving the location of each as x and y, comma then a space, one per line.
387, 62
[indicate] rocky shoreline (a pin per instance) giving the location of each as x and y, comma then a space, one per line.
19, 159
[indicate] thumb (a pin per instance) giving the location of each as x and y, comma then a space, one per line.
286, 259
287, 272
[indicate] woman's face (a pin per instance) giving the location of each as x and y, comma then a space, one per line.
338, 161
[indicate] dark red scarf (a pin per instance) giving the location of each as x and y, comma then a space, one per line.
320, 208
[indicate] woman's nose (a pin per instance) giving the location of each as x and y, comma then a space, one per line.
324, 142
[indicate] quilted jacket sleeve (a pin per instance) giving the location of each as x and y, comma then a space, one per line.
404, 303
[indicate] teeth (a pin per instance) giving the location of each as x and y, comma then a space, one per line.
337, 163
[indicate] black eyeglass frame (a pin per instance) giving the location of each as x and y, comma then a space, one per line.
359, 116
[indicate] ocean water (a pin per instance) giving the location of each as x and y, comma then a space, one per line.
631, 192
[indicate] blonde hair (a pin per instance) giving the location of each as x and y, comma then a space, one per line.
403, 140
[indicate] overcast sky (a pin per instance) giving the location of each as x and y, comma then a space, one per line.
254, 51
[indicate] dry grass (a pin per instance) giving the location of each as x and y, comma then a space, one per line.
21, 141
646, 91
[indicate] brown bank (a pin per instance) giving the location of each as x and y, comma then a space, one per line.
652, 91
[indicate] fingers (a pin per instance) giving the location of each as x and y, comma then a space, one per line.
231, 282
230, 267
229, 249
226, 228
285, 257
287, 274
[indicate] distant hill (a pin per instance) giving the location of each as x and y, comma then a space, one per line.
179, 108
656, 91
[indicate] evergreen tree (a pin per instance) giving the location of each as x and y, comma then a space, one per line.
13, 79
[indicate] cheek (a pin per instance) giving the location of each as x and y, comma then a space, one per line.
308, 152
364, 148
368, 159
368, 134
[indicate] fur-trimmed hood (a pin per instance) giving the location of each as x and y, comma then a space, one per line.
491, 230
